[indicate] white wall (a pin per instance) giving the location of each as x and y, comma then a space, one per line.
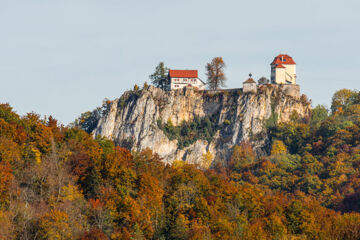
290, 73
280, 75
284, 75
178, 83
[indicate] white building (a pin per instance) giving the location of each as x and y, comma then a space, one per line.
249, 85
283, 70
185, 78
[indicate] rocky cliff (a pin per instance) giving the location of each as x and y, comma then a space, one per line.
157, 119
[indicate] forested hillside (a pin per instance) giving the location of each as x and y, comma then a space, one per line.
59, 182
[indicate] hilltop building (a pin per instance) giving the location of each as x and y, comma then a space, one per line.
283, 70
185, 78
249, 85
283, 75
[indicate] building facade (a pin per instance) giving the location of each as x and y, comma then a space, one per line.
185, 78
249, 86
283, 70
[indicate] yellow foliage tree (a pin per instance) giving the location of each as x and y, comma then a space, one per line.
178, 164
71, 193
278, 147
37, 155
55, 225
206, 160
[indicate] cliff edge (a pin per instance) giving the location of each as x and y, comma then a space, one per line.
187, 124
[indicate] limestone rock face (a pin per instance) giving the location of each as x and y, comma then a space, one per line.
133, 119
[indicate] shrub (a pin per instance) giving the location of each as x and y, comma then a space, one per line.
146, 86
189, 132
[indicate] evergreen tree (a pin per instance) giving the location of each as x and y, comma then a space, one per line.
159, 78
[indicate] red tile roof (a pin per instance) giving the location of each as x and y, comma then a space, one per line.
250, 80
183, 73
283, 59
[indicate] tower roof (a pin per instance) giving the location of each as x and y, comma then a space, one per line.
250, 80
282, 59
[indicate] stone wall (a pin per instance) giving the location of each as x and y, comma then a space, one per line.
292, 90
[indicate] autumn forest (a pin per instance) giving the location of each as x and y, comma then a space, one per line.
59, 182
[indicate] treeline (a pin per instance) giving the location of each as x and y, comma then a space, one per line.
60, 183
319, 156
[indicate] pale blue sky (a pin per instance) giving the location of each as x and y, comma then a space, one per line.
63, 57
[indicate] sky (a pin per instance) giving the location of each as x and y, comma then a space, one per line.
64, 57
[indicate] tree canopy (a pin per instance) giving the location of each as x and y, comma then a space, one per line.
59, 182
215, 73
263, 80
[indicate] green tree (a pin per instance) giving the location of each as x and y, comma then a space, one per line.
342, 99
263, 80
294, 216
179, 230
215, 73
318, 114
159, 78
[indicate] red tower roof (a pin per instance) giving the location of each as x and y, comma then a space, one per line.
282, 59
250, 80
183, 73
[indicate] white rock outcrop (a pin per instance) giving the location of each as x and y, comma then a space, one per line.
133, 118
